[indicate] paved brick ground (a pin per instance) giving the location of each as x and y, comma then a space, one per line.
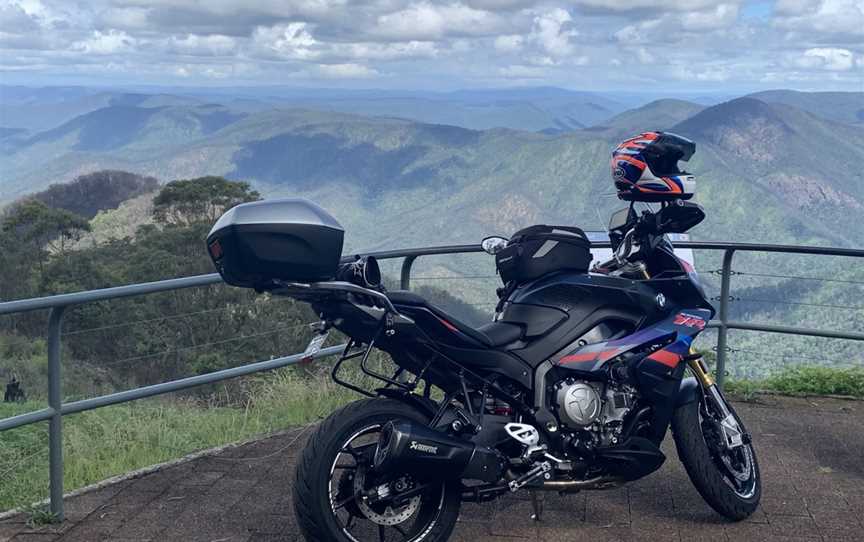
811, 452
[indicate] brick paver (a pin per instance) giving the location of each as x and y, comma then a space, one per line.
811, 452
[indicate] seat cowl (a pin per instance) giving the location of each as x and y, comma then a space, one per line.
404, 297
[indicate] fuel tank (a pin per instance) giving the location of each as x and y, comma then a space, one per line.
567, 309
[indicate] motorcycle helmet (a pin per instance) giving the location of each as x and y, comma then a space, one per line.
645, 167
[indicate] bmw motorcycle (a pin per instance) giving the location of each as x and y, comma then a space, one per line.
572, 387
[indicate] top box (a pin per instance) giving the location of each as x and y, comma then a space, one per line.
255, 244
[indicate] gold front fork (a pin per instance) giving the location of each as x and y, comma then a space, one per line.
700, 370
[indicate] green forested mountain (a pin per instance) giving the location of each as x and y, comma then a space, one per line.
396, 182
845, 107
767, 172
657, 115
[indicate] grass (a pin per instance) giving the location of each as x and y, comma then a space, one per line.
805, 381
115, 440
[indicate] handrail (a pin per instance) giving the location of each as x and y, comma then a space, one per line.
59, 303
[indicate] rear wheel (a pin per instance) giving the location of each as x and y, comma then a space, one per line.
334, 475
727, 478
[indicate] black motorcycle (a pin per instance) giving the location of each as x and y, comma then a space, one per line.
572, 387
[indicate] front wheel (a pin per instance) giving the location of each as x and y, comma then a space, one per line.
334, 480
727, 478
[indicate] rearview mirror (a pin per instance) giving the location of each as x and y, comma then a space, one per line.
493, 245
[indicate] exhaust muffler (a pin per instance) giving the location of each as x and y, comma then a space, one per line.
405, 447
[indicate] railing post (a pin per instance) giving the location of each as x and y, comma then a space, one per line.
723, 331
55, 402
405, 278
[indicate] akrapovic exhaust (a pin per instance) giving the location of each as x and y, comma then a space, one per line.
418, 450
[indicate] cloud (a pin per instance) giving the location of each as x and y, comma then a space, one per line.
552, 31
346, 71
438, 43
287, 41
193, 44
509, 43
822, 20
428, 21
825, 58
105, 43
656, 6
673, 28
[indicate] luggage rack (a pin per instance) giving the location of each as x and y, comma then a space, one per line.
310, 291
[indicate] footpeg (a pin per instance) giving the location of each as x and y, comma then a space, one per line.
523, 433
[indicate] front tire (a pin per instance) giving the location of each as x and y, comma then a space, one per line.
702, 456
322, 498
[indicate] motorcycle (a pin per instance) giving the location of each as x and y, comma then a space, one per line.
572, 387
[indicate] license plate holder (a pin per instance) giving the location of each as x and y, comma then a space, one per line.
315, 345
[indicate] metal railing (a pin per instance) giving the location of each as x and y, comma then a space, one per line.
59, 303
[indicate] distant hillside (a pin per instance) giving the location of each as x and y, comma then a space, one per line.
397, 182
39, 109
797, 158
99, 191
845, 107
657, 115
124, 125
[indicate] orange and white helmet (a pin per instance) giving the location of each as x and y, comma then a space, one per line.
645, 167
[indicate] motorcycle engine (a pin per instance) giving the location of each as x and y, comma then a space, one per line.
596, 407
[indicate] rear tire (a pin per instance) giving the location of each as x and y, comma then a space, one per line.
705, 470
313, 504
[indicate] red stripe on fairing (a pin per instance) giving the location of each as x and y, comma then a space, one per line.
579, 358
448, 325
589, 356
666, 358
686, 265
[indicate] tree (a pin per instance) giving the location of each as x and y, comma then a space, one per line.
35, 225
193, 201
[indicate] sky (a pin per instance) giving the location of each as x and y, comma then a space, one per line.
625, 45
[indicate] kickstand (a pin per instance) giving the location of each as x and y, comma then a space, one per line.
536, 505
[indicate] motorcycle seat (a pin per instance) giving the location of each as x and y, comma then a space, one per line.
491, 335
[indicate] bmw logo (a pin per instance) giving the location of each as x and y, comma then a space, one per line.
619, 173
661, 300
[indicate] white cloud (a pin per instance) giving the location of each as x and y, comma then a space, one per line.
437, 43
193, 44
795, 7
673, 28
125, 17
644, 56
428, 21
105, 43
825, 58
654, 5
287, 41
385, 51
822, 18
552, 31
720, 16
346, 71
509, 43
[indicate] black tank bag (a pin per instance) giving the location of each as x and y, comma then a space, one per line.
538, 250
